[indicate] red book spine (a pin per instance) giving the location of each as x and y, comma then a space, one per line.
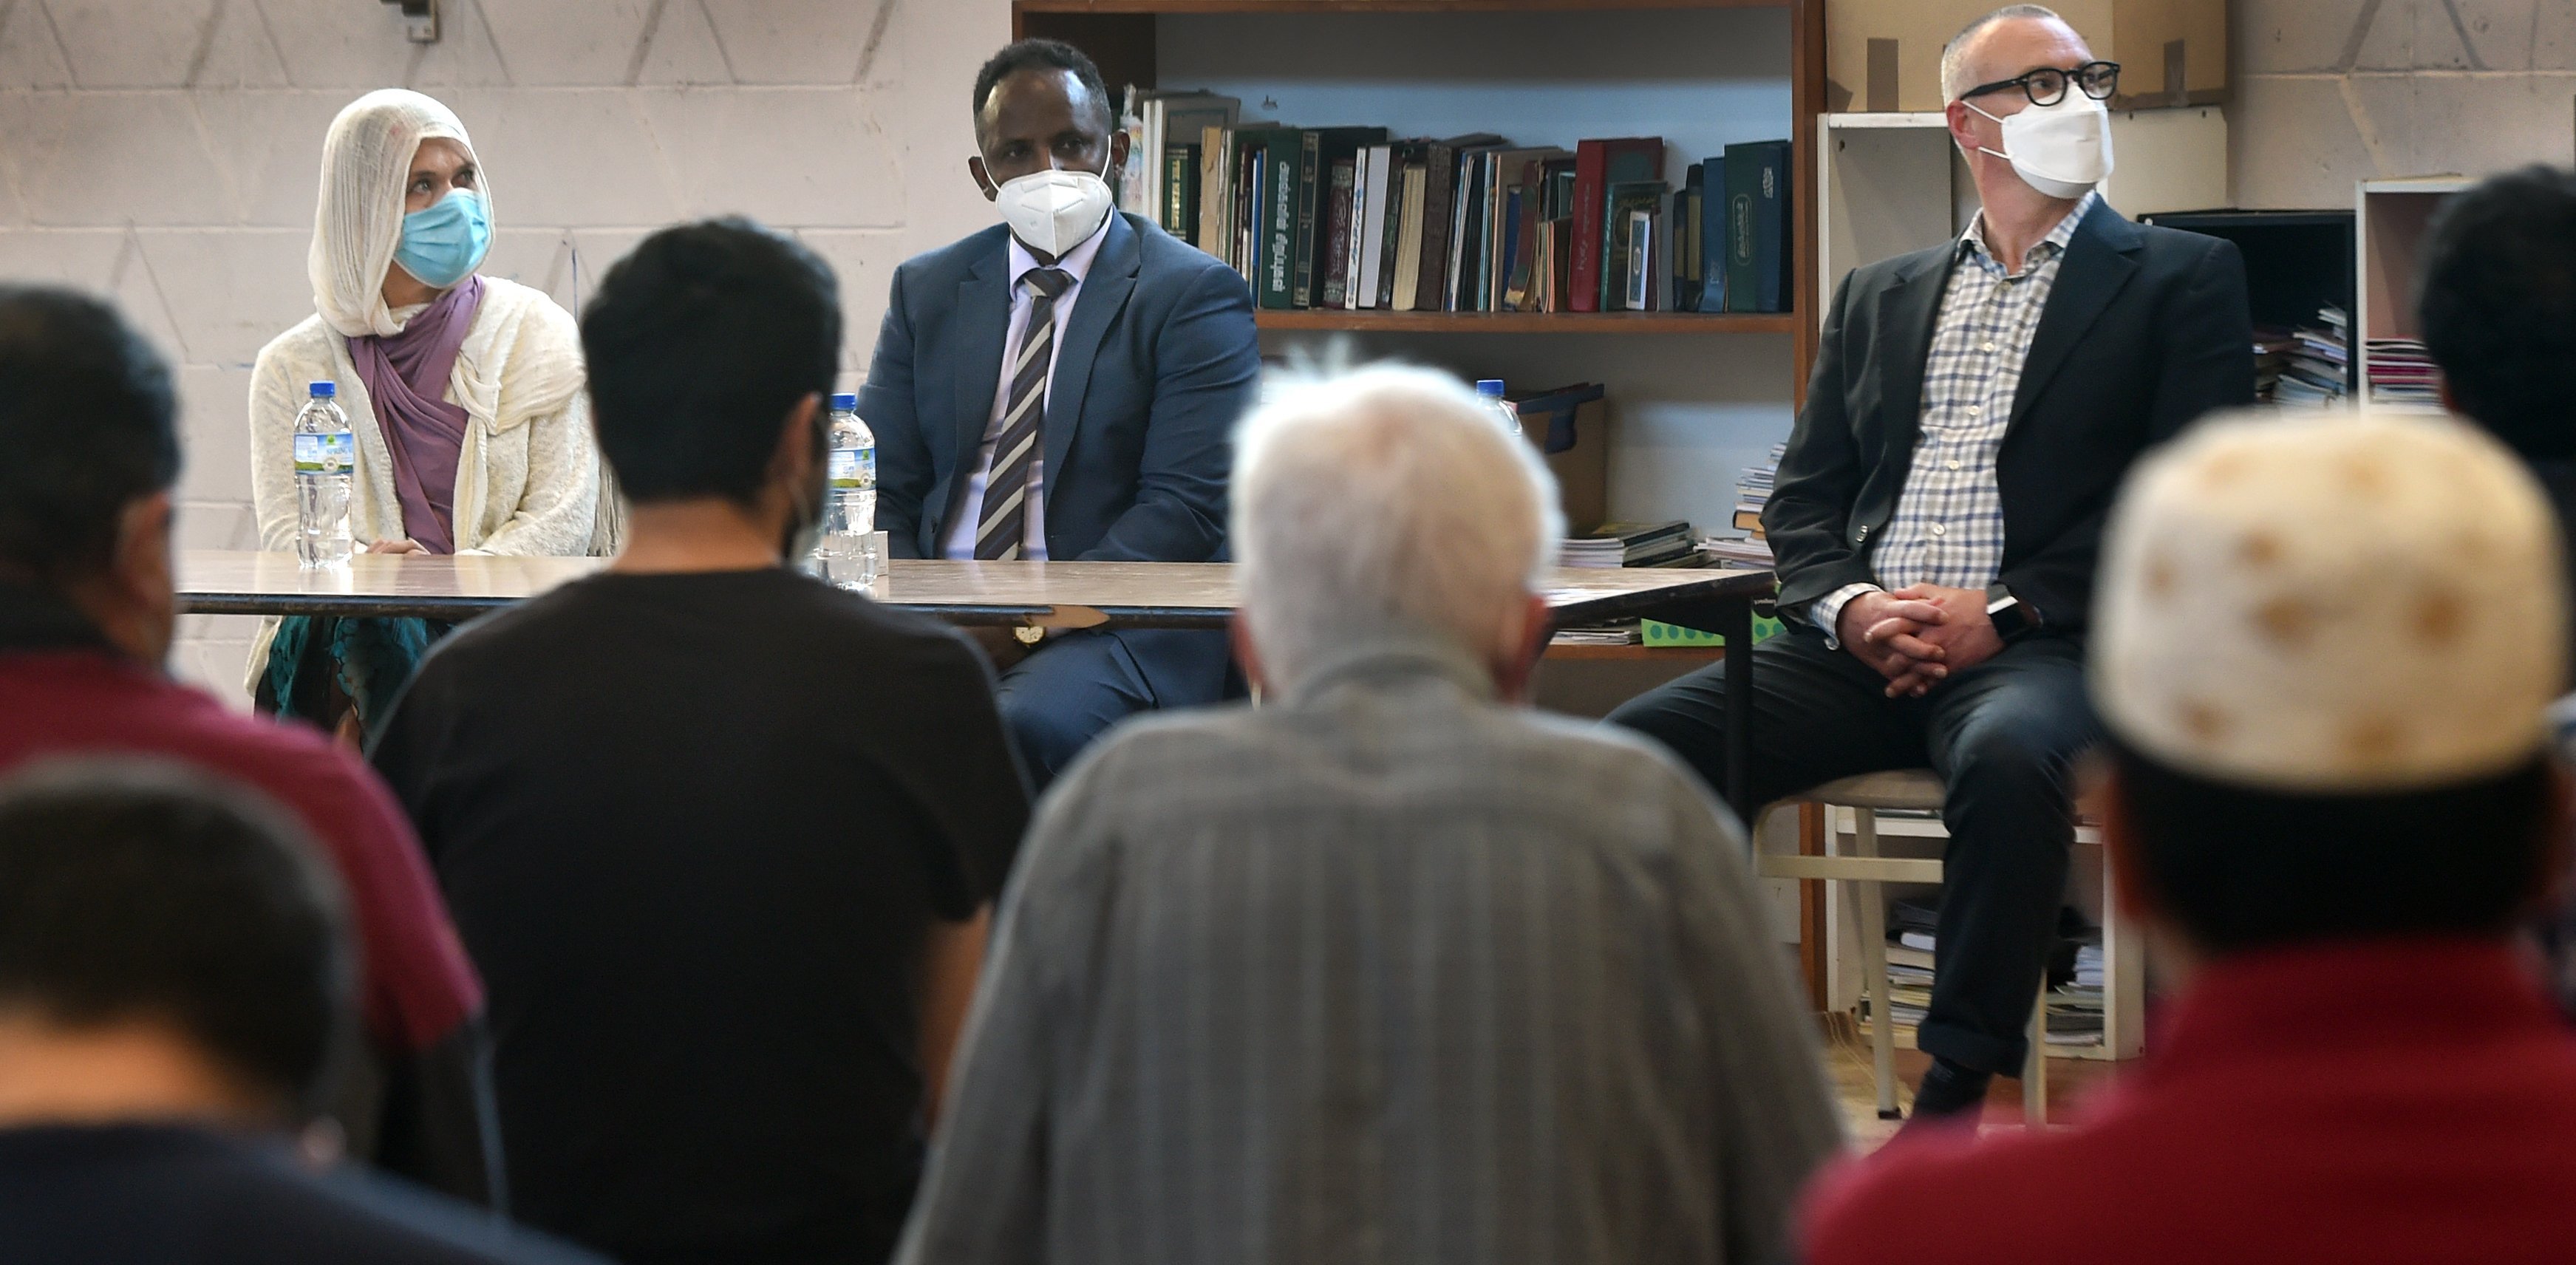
1591, 167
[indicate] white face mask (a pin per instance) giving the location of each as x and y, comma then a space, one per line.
1053, 211
2062, 150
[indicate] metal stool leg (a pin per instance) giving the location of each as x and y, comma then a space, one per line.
2034, 1067
1869, 910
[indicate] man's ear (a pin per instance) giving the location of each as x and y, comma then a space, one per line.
144, 617
984, 177
791, 463
1514, 675
1962, 122
1238, 633
1117, 152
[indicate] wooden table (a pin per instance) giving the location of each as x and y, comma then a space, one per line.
1040, 594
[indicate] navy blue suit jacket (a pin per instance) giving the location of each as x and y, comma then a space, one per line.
1159, 361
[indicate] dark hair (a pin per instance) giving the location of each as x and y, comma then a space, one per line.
1040, 54
2498, 306
699, 344
86, 426
134, 890
2243, 869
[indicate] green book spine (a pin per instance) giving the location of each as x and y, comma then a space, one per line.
1743, 190
1181, 191
1309, 189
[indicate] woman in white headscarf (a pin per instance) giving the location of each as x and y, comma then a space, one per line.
464, 396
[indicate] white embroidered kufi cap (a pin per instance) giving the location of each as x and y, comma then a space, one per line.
2331, 605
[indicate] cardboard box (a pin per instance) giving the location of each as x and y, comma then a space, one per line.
1575, 423
1885, 55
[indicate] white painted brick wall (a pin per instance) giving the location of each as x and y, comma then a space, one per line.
166, 152
2329, 92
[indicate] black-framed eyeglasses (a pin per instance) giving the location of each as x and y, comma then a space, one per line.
2047, 85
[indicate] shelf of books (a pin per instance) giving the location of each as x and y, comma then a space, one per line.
2391, 219
1316, 146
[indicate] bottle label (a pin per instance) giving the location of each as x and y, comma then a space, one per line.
853, 468
331, 452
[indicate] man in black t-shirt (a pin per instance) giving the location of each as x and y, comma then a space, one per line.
720, 837
177, 992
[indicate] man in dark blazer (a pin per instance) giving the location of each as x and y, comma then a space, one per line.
1101, 434
1939, 510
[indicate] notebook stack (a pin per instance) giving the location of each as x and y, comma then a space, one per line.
2317, 365
1631, 545
2272, 348
2075, 999
2402, 373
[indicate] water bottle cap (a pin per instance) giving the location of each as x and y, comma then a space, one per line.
325, 390
845, 403
1490, 386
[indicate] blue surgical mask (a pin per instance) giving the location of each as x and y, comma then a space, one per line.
444, 242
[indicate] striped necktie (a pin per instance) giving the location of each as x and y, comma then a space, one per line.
1006, 489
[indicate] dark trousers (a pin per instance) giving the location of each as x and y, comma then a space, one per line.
2003, 735
1074, 687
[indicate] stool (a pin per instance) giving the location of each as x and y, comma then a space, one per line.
1858, 877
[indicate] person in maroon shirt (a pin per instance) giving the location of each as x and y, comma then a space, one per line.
88, 455
2324, 650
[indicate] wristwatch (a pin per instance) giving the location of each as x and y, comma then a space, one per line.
2012, 617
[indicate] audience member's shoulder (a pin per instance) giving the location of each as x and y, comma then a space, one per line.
1939, 1199
1163, 251
409, 1224
539, 323
1145, 750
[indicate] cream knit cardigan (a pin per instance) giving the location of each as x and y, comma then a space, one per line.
528, 476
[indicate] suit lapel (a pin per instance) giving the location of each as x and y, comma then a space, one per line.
1906, 312
2100, 259
983, 324
1104, 295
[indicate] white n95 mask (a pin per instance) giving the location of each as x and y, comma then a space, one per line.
1053, 211
2062, 150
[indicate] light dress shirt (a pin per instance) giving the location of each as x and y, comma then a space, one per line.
1382, 971
970, 512
1948, 528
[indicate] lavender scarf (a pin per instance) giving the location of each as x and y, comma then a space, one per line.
406, 377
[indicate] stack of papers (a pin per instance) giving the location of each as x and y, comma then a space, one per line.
2402, 372
1630, 545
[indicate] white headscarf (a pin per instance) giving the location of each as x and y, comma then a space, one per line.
366, 160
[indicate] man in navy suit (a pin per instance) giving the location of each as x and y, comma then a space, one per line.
1098, 433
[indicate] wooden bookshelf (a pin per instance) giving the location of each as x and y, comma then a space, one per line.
1528, 322
1121, 36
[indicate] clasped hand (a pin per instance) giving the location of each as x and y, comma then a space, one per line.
1918, 635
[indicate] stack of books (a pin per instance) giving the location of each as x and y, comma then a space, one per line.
2402, 373
1625, 632
1753, 491
2271, 351
1631, 545
1353, 218
2318, 362
2075, 1005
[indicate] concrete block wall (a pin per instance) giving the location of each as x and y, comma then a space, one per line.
167, 152
2328, 92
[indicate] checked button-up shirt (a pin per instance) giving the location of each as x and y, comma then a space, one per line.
1948, 528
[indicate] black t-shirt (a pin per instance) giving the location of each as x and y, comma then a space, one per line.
694, 829
120, 1194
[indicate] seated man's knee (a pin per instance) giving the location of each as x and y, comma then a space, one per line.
1047, 734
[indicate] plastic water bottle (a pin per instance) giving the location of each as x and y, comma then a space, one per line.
1491, 390
848, 550
325, 458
